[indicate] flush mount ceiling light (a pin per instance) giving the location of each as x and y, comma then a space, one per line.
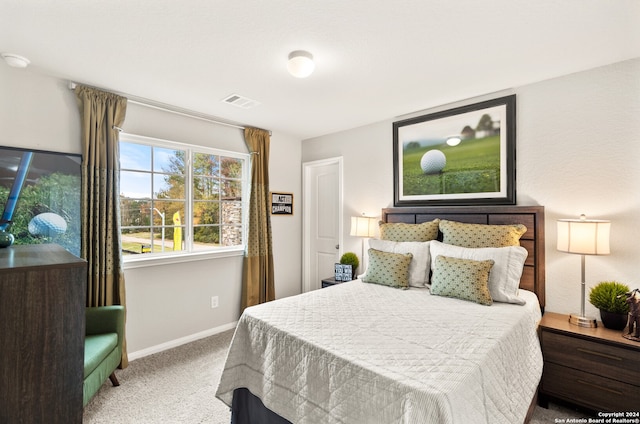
15, 61
300, 64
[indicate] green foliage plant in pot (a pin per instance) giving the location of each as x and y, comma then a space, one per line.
610, 298
350, 258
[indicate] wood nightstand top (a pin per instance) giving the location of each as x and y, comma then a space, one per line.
560, 323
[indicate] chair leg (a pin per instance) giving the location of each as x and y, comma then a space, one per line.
113, 379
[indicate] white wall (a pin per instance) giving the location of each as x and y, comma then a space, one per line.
37, 112
167, 302
578, 151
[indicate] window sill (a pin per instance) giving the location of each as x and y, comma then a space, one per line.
142, 262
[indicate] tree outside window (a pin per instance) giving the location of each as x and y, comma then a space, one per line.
186, 199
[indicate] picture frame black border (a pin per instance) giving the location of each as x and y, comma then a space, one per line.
510, 172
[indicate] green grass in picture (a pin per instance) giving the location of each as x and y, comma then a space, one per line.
473, 166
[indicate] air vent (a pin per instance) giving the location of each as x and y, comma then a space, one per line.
240, 101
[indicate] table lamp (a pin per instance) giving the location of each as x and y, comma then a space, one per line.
584, 237
365, 227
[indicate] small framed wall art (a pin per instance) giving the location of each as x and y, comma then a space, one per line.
281, 203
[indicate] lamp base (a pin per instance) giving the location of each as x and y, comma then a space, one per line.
581, 321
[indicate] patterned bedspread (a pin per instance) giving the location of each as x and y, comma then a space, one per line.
365, 353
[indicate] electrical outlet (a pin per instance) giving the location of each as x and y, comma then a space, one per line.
214, 302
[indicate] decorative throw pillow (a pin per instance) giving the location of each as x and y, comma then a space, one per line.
389, 269
481, 235
462, 278
504, 278
409, 232
420, 265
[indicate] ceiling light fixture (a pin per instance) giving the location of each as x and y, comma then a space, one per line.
15, 61
300, 64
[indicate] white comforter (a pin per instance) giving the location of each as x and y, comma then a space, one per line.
364, 353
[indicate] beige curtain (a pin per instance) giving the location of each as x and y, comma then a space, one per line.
102, 114
257, 276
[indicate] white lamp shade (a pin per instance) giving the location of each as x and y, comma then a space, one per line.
363, 226
300, 64
584, 236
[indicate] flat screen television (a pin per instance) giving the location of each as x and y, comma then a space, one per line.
40, 197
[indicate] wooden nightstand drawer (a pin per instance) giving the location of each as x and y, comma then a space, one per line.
590, 390
596, 368
597, 358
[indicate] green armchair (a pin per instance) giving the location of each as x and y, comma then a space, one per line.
102, 347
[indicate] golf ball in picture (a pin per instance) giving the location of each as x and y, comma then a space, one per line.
433, 162
47, 224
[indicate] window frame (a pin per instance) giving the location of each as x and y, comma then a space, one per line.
188, 255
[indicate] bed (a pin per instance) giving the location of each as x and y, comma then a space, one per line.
365, 352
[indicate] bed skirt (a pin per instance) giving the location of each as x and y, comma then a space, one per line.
247, 409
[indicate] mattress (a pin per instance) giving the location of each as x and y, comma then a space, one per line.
366, 353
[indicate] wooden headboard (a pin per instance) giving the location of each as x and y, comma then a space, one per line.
533, 276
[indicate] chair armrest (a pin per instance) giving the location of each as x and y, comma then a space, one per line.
105, 319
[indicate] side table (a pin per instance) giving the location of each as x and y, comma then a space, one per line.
595, 368
331, 281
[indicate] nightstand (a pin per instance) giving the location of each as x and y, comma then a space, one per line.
326, 282
595, 368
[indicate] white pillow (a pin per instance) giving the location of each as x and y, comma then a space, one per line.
504, 278
419, 267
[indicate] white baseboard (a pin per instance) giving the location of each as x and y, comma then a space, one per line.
179, 342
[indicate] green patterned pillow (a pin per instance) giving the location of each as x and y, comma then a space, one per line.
481, 235
389, 269
462, 278
409, 232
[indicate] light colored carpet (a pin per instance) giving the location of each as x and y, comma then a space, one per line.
174, 386
178, 386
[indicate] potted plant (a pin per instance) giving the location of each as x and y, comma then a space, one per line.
350, 258
609, 297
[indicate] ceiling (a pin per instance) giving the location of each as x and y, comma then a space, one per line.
375, 59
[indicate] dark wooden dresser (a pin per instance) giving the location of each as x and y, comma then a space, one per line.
42, 304
595, 368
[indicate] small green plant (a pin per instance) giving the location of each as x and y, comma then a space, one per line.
604, 295
350, 258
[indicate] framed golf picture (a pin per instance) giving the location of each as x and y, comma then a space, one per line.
461, 156
40, 197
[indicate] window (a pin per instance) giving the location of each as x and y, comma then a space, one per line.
178, 199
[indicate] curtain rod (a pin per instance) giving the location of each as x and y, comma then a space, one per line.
168, 108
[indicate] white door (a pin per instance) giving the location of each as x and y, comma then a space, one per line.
322, 220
